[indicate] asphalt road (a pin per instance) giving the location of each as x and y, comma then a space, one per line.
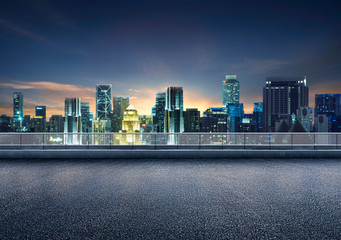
170, 199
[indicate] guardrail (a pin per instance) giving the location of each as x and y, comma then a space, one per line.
171, 140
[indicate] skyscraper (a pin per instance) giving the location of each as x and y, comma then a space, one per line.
130, 124
159, 119
40, 125
18, 105
230, 90
41, 111
18, 110
281, 98
103, 101
192, 120
174, 120
329, 105
85, 113
73, 121
257, 116
120, 104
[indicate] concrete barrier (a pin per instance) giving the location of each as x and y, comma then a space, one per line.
168, 154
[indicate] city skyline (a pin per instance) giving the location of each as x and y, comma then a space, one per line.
51, 51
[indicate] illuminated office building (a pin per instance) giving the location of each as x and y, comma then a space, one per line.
257, 116
120, 104
73, 121
56, 123
41, 112
214, 120
85, 113
159, 118
230, 90
103, 101
192, 120
174, 120
18, 110
235, 116
329, 105
281, 99
130, 124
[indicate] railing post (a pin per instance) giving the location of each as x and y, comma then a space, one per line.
244, 139
269, 136
20, 140
314, 141
88, 140
292, 141
154, 140
43, 141
199, 141
336, 141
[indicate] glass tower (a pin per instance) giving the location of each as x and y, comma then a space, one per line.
159, 119
230, 90
103, 101
329, 105
257, 115
85, 113
174, 118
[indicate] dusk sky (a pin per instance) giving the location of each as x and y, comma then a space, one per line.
50, 50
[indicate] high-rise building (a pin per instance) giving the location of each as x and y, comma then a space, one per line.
159, 118
281, 99
5, 123
18, 105
230, 90
41, 112
18, 110
192, 120
120, 104
103, 101
56, 123
174, 119
73, 121
38, 124
329, 105
214, 120
235, 116
26, 123
85, 112
258, 116
305, 116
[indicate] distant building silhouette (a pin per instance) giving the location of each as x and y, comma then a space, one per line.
103, 101
159, 118
258, 116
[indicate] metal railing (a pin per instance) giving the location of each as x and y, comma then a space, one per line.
172, 140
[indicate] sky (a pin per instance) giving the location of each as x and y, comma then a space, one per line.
50, 50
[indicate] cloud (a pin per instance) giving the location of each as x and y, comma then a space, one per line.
52, 86
252, 65
9, 25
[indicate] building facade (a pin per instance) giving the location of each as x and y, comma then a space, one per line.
329, 105
192, 120
120, 104
18, 110
73, 119
230, 90
257, 116
159, 117
85, 113
103, 101
305, 117
57, 123
174, 120
281, 99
